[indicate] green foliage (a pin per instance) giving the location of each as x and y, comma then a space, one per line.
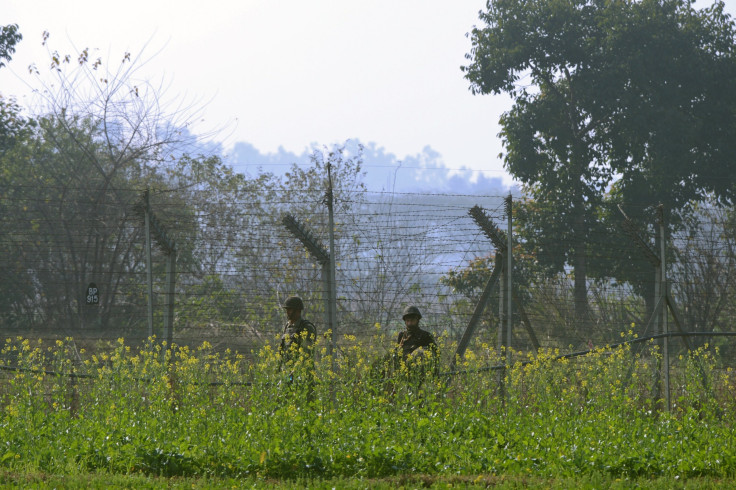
14, 127
9, 37
67, 207
613, 101
192, 412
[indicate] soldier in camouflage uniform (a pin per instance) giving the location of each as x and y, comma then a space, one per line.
415, 353
414, 340
299, 334
414, 344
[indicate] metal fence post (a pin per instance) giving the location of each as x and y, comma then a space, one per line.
149, 267
665, 310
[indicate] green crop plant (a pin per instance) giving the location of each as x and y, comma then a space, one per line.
177, 411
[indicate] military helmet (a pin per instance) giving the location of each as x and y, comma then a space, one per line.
411, 311
294, 302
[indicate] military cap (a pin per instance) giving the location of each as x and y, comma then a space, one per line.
294, 302
411, 311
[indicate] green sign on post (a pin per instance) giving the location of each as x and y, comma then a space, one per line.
93, 294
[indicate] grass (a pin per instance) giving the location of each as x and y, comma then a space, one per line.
104, 480
148, 417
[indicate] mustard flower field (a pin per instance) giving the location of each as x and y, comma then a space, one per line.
179, 411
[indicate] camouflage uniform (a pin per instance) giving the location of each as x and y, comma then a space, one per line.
411, 340
297, 338
297, 343
415, 343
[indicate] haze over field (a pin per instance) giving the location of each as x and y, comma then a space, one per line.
279, 78
282, 77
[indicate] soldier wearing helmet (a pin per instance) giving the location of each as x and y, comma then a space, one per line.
299, 334
414, 341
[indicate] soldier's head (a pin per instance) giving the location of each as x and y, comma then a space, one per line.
293, 307
411, 317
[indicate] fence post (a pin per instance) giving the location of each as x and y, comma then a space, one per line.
320, 254
170, 290
332, 290
169, 247
496, 237
660, 310
502, 336
509, 268
478, 311
665, 325
149, 267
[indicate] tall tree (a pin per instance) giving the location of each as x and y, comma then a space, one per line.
9, 37
69, 226
14, 131
218, 221
623, 93
72, 183
12, 123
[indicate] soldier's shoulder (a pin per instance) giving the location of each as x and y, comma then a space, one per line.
306, 324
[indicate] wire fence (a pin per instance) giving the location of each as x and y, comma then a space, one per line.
69, 380
237, 262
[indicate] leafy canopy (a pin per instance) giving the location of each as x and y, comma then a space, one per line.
624, 102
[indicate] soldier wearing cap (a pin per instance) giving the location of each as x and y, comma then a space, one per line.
414, 341
299, 334
415, 350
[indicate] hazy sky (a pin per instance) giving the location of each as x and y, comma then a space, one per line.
289, 73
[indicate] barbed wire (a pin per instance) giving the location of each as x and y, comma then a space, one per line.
392, 249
